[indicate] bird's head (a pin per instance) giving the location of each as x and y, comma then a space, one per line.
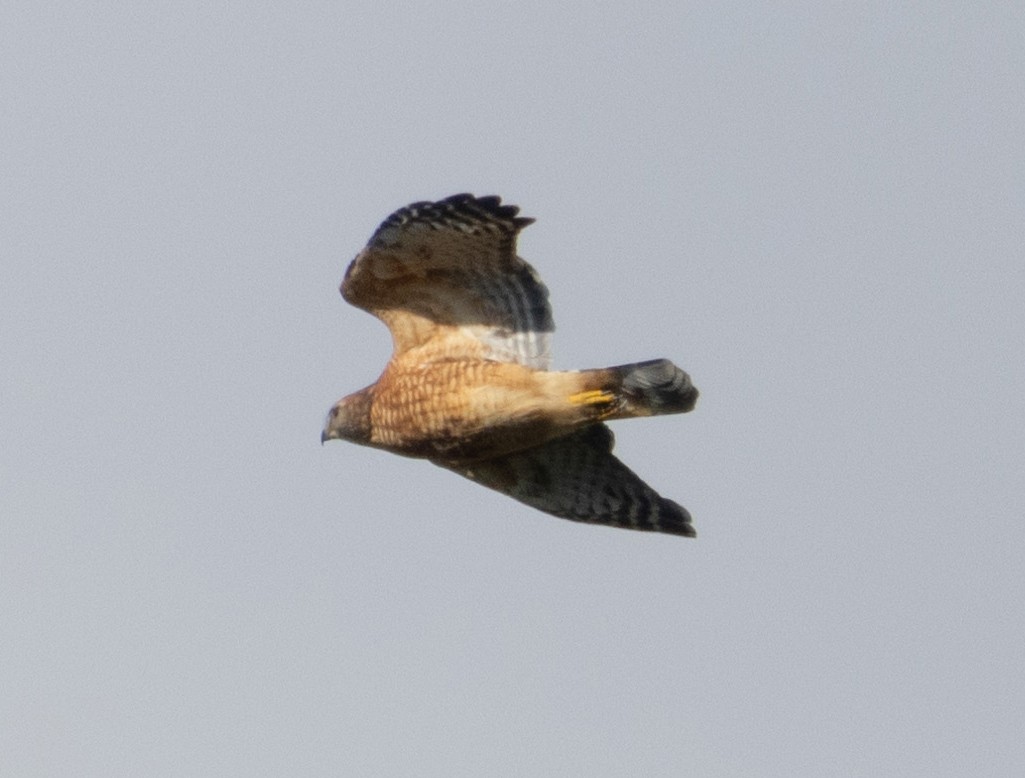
349, 419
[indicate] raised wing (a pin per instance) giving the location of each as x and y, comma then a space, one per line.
446, 274
576, 477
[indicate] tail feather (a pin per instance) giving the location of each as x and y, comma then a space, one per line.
654, 387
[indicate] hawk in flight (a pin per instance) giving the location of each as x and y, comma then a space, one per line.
468, 385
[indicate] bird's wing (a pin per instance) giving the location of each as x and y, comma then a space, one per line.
445, 276
576, 477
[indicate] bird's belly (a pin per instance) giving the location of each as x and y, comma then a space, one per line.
468, 412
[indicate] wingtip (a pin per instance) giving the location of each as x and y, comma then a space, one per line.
674, 519
490, 205
457, 208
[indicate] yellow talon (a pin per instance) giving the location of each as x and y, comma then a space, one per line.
591, 397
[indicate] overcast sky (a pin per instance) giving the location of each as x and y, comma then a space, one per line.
815, 209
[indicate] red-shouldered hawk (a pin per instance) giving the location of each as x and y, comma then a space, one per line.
468, 385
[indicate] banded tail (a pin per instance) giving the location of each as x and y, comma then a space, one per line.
651, 388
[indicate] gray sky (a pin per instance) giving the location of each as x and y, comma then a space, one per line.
816, 210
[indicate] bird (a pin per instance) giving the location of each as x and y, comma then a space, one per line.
468, 386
